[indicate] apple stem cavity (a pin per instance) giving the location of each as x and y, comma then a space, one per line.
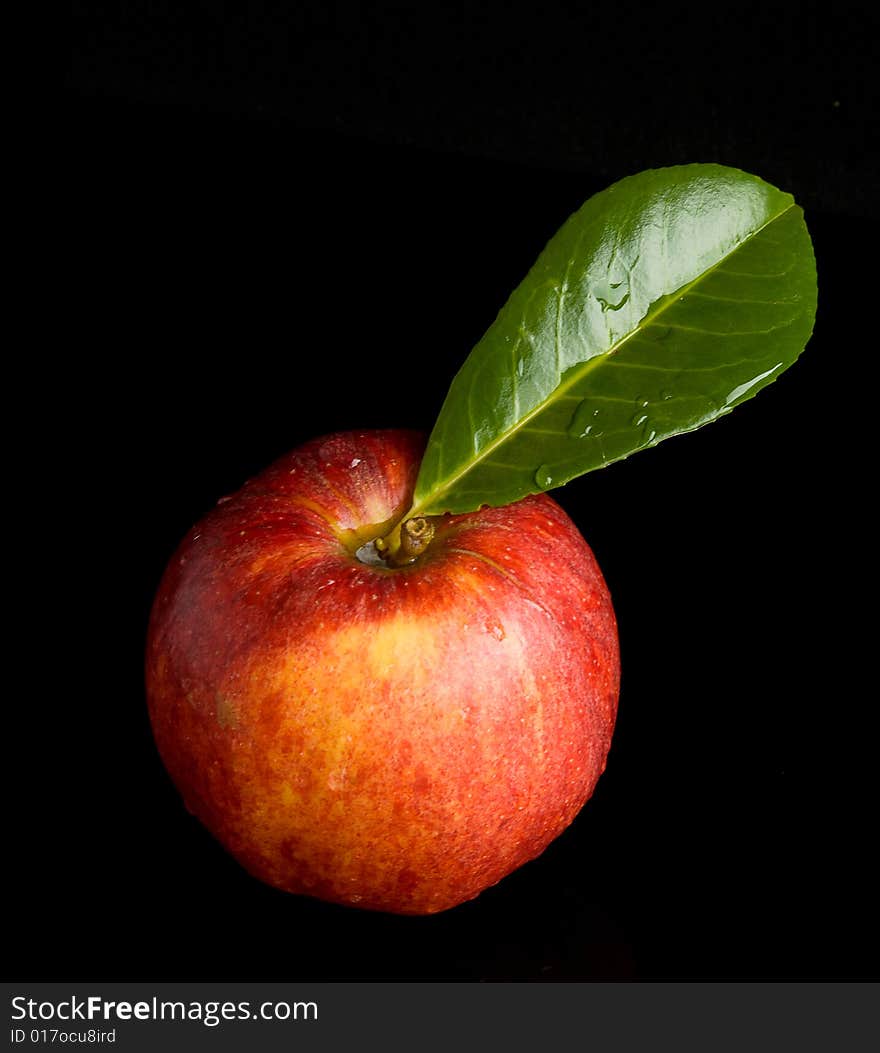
407, 542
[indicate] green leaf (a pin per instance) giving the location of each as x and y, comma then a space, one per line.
665, 301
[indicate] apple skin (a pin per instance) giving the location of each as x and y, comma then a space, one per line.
393, 738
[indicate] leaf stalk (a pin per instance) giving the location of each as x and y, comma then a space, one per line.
406, 542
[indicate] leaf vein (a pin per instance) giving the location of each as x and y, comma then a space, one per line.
716, 332
743, 300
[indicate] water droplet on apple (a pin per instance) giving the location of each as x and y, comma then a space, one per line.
495, 629
355, 461
368, 554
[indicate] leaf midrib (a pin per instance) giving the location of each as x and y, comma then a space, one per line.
579, 374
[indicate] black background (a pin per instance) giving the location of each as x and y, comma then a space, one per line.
289, 222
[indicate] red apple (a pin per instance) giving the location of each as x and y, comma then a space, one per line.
399, 738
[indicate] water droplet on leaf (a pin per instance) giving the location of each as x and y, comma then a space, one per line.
611, 296
544, 476
608, 305
583, 422
742, 389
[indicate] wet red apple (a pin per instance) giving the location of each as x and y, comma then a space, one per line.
395, 737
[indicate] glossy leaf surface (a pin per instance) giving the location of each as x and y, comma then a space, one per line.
660, 305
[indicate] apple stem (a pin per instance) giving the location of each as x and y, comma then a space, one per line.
406, 542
